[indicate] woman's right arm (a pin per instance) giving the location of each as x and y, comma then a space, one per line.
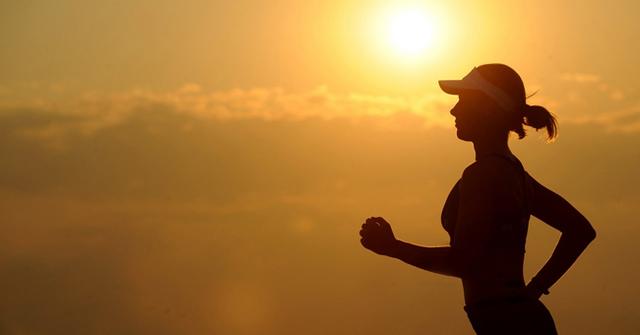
576, 231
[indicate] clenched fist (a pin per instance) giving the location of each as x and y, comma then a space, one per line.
377, 236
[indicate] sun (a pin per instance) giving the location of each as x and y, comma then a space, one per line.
408, 34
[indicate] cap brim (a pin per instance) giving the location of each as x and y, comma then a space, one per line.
454, 86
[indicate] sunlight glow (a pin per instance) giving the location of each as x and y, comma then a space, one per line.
408, 34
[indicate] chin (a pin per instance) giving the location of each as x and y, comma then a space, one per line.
463, 135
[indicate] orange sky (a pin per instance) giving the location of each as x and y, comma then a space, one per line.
203, 167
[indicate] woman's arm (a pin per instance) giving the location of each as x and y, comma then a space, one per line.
576, 230
378, 237
433, 259
484, 194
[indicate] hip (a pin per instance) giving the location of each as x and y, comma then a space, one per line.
518, 315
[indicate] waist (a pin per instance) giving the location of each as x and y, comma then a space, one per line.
497, 301
476, 291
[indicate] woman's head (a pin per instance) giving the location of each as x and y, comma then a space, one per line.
492, 102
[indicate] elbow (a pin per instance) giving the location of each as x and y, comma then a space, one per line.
590, 234
585, 233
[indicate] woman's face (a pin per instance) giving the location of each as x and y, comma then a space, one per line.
476, 116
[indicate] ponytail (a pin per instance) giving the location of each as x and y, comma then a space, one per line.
539, 117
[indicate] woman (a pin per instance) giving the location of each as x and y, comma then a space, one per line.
487, 212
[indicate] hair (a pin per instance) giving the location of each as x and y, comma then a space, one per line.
538, 117
533, 116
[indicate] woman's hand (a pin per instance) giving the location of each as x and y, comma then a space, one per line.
378, 237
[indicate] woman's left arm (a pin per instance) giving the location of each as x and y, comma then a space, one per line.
577, 234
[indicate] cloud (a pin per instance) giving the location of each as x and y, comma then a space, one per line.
590, 84
230, 146
55, 121
92, 112
191, 144
580, 78
626, 120
586, 98
591, 100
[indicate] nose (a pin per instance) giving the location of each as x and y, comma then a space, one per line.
454, 109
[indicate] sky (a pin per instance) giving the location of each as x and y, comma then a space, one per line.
203, 167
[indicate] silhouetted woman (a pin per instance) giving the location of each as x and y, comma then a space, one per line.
487, 212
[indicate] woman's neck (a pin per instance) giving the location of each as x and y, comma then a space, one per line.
493, 146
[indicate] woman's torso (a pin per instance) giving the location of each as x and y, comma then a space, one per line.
501, 260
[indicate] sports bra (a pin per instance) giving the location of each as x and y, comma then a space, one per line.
511, 230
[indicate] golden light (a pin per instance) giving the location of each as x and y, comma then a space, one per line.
408, 34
